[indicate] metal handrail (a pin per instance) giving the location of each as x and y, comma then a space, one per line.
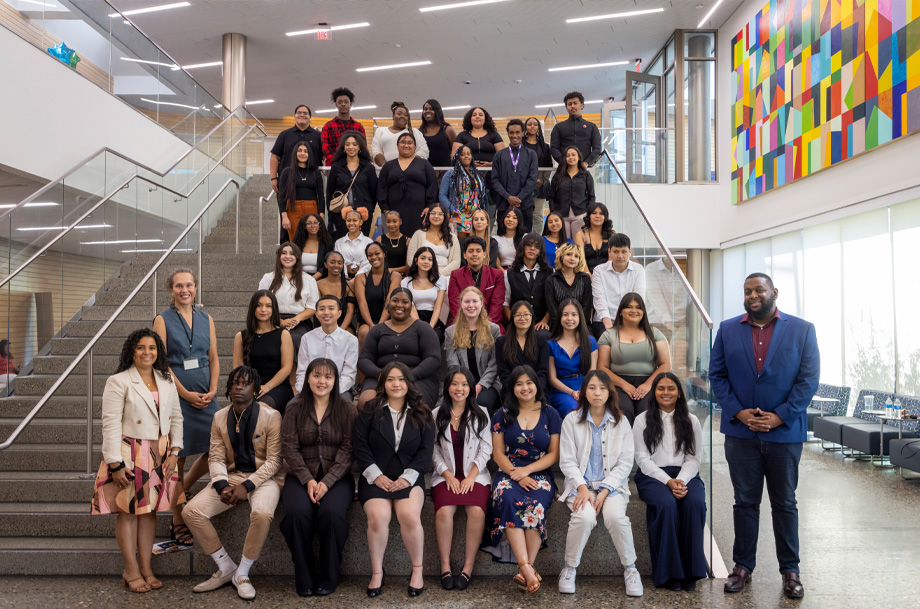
683, 279
261, 199
88, 349
105, 149
61, 234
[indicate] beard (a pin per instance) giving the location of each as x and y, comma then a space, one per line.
765, 309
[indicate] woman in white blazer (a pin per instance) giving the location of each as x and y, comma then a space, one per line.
597, 477
463, 446
141, 439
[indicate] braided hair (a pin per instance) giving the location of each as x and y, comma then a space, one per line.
461, 174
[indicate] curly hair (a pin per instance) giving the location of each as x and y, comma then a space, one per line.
488, 125
567, 248
607, 227
126, 359
363, 153
340, 91
446, 232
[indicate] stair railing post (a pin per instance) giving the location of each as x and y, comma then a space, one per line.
154, 295
260, 225
237, 251
89, 413
200, 224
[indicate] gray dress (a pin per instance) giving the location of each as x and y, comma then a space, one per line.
196, 427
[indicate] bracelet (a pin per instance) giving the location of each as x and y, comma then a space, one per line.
273, 179
117, 468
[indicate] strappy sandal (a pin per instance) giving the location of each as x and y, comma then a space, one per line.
133, 585
533, 585
181, 533
519, 580
153, 582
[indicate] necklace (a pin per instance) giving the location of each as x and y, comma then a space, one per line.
455, 417
303, 178
238, 418
476, 275
392, 244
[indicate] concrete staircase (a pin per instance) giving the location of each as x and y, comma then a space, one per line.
45, 523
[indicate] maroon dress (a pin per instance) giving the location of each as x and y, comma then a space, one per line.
478, 495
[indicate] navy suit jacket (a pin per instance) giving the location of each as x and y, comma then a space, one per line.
786, 385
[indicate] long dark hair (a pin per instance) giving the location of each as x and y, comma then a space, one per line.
290, 184
245, 374
386, 267
541, 143
584, 341
607, 227
445, 225
433, 274
438, 115
643, 323
535, 240
419, 412
613, 401
472, 417
488, 125
363, 152
296, 271
563, 168
337, 411
126, 359
326, 242
683, 427
512, 348
562, 235
252, 324
461, 174
5, 349
512, 407
324, 273
518, 232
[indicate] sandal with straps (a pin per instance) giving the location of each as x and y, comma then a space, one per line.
181, 533
519, 580
133, 585
534, 584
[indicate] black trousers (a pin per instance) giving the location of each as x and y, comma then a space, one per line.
328, 520
632, 408
489, 399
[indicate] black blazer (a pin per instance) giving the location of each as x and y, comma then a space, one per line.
373, 441
540, 366
364, 191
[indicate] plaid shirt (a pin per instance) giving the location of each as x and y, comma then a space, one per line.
333, 130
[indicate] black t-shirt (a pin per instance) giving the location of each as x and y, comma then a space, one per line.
483, 148
290, 138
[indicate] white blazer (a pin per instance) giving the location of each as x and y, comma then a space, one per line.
476, 449
575, 452
128, 409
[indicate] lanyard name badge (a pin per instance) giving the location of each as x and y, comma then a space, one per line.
192, 362
514, 161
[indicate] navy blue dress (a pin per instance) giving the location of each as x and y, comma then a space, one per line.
196, 422
511, 505
568, 370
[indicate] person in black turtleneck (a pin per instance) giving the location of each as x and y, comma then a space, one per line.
514, 176
575, 131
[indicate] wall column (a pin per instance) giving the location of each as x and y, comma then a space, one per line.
699, 111
234, 85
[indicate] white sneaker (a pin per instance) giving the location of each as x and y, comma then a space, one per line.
633, 582
216, 581
567, 580
244, 588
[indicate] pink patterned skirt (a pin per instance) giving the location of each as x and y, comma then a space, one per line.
148, 493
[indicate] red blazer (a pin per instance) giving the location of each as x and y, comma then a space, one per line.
492, 286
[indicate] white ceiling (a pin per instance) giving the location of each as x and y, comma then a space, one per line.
490, 45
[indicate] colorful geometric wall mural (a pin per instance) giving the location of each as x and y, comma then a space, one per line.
817, 82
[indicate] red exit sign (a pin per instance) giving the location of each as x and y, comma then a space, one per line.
323, 35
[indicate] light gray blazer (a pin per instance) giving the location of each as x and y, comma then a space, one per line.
485, 359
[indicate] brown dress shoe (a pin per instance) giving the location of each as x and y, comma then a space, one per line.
792, 586
737, 580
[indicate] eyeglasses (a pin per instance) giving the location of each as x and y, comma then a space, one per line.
523, 316
312, 224
301, 114
436, 214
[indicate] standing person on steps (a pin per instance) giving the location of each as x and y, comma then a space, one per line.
343, 99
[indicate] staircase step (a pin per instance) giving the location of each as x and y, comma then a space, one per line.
112, 342
49, 487
61, 407
217, 295
63, 431
48, 458
78, 556
62, 520
57, 364
144, 313
75, 385
120, 329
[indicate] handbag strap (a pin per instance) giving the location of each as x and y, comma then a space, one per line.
355, 177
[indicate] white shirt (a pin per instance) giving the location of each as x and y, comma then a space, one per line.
666, 454
310, 262
287, 291
609, 287
533, 275
410, 475
448, 258
353, 252
506, 250
665, 298
424, 299
340, 346
385, 143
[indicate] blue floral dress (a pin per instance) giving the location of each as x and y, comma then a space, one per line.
512, 506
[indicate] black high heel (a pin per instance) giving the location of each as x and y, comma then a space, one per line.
413, 592
375, 592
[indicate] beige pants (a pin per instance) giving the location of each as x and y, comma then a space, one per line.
207, 504
582, 522
573, 224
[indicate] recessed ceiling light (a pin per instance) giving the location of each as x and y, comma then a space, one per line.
163, 103
153, 63
44, 204
209, 64
441, 7
327, 29
40, 3
589, 65
448, 108
84, 227
616, 15
394, 66
150, 9
121, 241
260, 101
178, 249
709, 14
328, 110
589, 101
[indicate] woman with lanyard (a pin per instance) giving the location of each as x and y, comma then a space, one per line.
191, 349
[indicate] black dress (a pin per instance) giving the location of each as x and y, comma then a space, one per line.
594, 257
265, 357
483, 148
396, 251
439, 148
417, 347
375, 296
409, 192
540, 365
558, 289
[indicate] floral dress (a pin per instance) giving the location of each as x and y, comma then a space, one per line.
511, 505
469, 200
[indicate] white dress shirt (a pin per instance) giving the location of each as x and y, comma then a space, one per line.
666, 454
352, 251
609, 287
399, 424
340, 346
287, 291
385, 143
531, 274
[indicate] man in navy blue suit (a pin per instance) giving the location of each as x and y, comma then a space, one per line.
764, 371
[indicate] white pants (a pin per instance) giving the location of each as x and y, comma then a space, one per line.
582, 522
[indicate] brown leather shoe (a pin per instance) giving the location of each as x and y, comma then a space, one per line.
737, 580
792, 586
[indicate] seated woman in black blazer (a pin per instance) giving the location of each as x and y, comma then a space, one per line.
526, 279
522, 345
393, 441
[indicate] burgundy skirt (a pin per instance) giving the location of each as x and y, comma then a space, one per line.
478, 495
